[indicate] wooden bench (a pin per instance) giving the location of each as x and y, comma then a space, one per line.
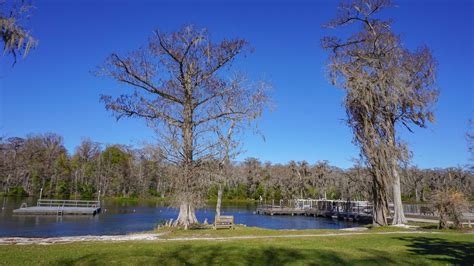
427, 211
468, 218
224, 222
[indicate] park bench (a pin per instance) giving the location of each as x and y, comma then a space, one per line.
468, 218
427, 211
224, 222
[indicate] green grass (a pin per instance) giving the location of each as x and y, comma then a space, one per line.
433, 227
238, 231
366, 249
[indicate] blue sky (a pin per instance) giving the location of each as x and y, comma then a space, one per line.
52, 90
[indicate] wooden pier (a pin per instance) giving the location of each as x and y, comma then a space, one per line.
276, 210
61, 207
359, 211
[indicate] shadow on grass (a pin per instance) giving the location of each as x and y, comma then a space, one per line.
216, 254
441, 250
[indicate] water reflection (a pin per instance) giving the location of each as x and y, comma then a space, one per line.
121, 218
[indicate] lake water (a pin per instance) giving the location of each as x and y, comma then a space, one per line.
122, 218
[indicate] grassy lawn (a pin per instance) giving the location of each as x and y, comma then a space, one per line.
408, 248
237, 231
256, 231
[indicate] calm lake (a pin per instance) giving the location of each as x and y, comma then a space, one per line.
122, 218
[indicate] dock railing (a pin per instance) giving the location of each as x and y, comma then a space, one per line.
68, 203
347, 208
325, 205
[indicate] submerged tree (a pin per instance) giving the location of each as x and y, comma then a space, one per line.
387, 86
183, 87
16, 38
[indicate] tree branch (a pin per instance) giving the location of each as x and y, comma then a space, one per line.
150, 88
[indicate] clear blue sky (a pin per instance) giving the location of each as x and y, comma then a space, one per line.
52, 90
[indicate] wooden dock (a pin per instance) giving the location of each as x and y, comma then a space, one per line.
276, 210
357, 211
336, 209
347, 216
61, 207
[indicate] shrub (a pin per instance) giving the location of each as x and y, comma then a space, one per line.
87, 191
17, 192
63, 190
450, 205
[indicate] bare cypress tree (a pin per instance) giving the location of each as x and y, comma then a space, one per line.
183, 87
229, 149
386, 85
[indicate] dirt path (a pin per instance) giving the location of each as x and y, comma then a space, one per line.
157, 237
71, 239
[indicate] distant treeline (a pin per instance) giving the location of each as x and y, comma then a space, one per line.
41, 161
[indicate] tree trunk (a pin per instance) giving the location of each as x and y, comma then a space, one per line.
380, 214
380, 208
219, 200
187, 215
443, 220
186, 191
417, 192
398, 215
158, 188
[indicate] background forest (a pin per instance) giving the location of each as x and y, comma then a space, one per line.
41, 161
